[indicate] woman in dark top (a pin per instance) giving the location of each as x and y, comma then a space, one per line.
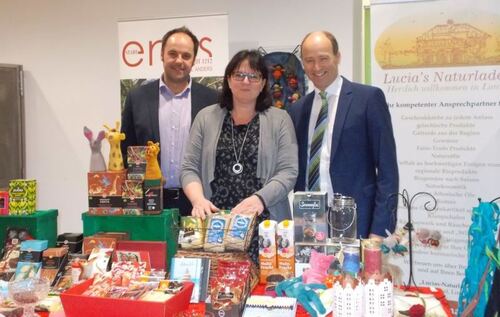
242, 153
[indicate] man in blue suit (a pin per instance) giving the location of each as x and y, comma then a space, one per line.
162, 111
345, 138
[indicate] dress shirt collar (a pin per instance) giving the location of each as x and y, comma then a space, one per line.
333, 89
165, 90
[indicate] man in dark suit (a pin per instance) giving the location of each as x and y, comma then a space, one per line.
345, 138
162, 111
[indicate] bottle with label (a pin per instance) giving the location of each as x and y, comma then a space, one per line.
76, 271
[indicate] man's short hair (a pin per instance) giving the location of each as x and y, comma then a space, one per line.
329, 36
184, 30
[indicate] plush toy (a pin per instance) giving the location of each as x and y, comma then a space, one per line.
153, 170
114, 137
304, 293
320, 263
97, 163
394, 242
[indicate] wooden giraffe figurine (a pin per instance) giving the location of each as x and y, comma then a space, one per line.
114, 138
153, 170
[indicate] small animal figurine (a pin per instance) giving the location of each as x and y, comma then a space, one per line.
153, 170
114, 138
97, 163
319, 267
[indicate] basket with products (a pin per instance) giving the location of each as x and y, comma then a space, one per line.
222, 236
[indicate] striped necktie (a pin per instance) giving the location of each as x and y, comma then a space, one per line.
316, 142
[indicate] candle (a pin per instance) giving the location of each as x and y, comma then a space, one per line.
351, 261
373, 258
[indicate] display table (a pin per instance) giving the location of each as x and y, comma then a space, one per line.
42, 225
162, 227
198, 310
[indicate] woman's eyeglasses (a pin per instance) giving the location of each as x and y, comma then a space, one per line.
252, 77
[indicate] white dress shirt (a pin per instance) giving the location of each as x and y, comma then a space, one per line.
333, 92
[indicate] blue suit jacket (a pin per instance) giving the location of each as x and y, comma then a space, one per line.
140, 113
363, 160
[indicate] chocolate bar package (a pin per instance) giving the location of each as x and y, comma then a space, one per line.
132, 197
136, 161
153, 197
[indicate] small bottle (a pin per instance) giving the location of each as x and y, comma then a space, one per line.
76, 271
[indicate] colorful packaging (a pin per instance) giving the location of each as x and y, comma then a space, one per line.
22, 196
285, 244
4, 203
153, 197
267, 248
105, 192
136, 161
192, 233
309, 214
240, 232
216, 230
132, 197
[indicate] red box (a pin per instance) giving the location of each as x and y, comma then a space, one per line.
157, 251
4, 203
77, 305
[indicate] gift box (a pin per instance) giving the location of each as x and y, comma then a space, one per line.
22, 196
34, 245
105, 192
309, 214
162, 227
53, 258
77, 305
157, 251
73, 241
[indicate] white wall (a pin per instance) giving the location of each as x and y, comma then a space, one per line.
69, 52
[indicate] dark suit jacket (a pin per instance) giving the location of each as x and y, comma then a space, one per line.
363, 161
140, 113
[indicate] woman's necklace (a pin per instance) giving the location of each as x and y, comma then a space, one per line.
238, 167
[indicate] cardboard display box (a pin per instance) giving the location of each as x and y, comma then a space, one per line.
77, 305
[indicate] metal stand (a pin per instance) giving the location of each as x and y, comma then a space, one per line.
429, 205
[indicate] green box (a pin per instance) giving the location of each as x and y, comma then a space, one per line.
161, 227
42, 225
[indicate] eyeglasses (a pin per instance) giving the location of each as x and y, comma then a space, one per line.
252, 77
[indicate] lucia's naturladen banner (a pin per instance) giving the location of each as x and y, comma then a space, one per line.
438, 63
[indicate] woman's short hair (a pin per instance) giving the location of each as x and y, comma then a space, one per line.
256, 62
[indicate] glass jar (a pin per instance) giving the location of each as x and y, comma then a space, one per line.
342, 219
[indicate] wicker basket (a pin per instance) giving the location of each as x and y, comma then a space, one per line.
225, 256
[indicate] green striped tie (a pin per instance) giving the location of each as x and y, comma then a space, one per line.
316, 142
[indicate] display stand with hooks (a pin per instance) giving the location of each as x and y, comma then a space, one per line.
429, 205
